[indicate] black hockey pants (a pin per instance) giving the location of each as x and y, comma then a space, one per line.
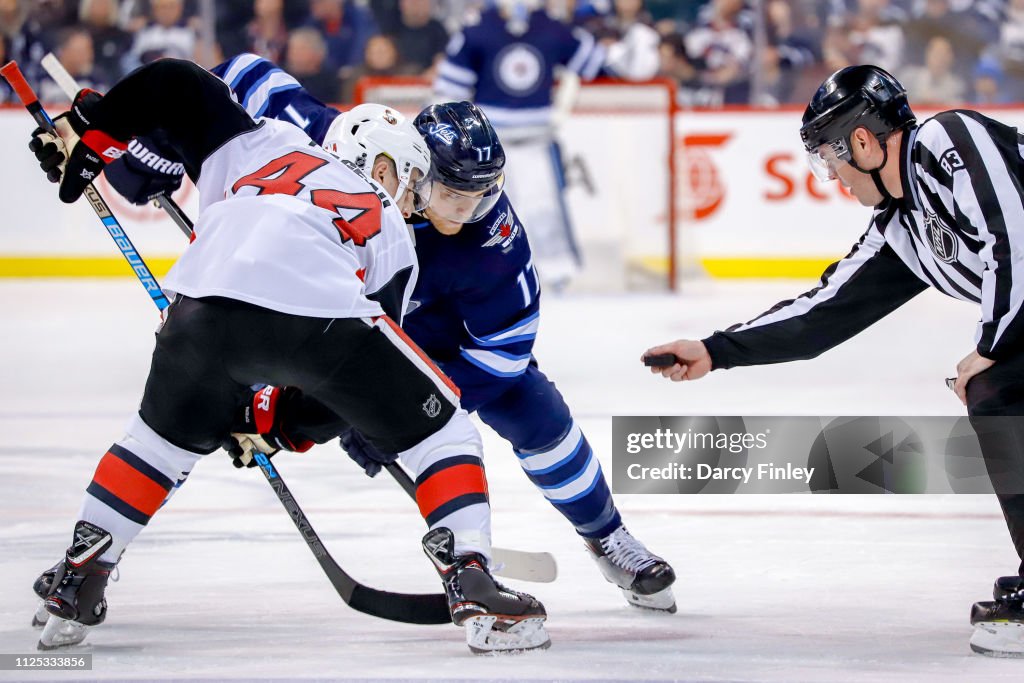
212, 350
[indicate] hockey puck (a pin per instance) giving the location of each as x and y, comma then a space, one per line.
660, 360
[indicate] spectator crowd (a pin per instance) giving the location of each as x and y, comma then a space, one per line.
718, 51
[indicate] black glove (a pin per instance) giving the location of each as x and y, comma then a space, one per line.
259, 428
365, 453
150, 169
78, 156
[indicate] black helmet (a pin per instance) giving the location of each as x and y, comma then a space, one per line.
857, 96
465, 151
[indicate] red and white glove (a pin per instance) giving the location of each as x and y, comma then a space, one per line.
77, 155
260, 428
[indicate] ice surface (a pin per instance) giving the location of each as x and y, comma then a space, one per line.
771, 588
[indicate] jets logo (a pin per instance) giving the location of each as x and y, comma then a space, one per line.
951, 161
443, 132
520, 69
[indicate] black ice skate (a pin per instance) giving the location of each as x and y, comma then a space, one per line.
999, 625
41, 587
496, 618
73, 589
644, 578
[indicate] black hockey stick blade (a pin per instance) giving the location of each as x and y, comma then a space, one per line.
429, 608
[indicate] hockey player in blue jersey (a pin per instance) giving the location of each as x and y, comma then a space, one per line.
507, 63
476, 310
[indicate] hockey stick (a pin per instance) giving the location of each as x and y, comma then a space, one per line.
13, 74
538, 567
409, 608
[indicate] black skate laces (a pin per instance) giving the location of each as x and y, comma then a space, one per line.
626, 552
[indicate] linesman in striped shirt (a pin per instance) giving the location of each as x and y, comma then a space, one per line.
948, 196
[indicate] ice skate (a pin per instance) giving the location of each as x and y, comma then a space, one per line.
999, 624
645, 578
496, 618
73, 590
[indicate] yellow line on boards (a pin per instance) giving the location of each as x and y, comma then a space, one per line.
77, 266
115, 266
804, 267
766, 267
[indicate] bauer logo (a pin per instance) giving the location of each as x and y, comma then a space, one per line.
701, 186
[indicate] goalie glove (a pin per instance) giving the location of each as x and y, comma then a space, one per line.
259, 428
77, 155
365, 454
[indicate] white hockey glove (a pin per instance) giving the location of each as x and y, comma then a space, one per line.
636, 56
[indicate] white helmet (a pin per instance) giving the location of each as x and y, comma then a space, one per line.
368, 130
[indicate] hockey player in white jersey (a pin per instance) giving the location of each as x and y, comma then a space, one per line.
298, 266
507, 63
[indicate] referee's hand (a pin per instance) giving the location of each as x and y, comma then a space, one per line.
692, 360
971, 365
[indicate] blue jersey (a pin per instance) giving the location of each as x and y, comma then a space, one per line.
263, 89
476, 306
511, 76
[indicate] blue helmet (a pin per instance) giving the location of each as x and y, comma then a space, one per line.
465, 151
466, 157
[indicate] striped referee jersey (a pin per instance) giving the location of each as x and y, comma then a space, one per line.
959, 228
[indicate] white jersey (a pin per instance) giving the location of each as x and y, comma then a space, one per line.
285, 225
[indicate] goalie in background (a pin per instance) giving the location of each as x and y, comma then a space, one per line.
507, 63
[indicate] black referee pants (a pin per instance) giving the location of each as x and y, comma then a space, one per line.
995, 403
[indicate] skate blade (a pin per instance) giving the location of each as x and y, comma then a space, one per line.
486, 634
41, 616
61, 633
998, 638
662, 601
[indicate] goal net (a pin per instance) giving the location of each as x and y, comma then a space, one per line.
621, 187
